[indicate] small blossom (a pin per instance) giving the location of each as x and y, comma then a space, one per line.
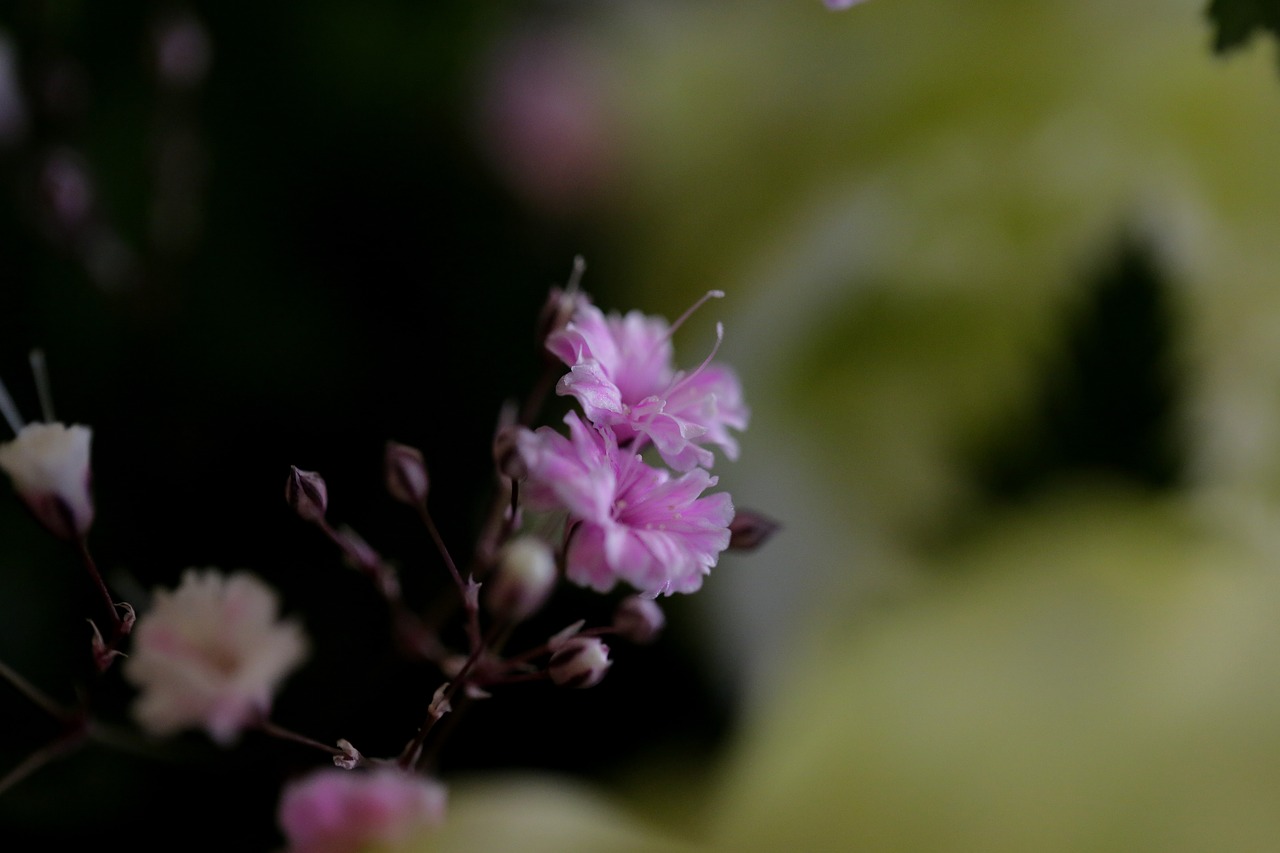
621, 372
525, 576
837, 5
210, 655
582, 662
49, 466
634, 523
639, 620
335, 811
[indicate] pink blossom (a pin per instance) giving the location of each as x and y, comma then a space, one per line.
210, 655
621, 372
341, 811
634, 523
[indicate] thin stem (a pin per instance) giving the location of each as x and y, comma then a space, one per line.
33, 762
269, 728
473, 613
35, 694
82, 545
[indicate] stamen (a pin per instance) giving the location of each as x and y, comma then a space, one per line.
710, 294
575, 275
43, 388
685, 377
10, 411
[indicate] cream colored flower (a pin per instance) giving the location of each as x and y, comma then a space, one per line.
210, 655
49, 466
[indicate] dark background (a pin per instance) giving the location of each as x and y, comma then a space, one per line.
288, 260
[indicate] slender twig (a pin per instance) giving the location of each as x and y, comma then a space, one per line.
82, 545
269, 728
35, 694
33, 762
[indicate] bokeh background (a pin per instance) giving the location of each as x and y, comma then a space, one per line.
1000, 284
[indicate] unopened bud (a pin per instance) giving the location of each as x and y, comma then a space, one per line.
103, 654
506, 452
306, 492
560, 306
639, 620
525, 576
350, 758
750, 529
406, 472
128, 619
581, 662
440, 702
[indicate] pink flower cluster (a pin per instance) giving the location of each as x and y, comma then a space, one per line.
342, 811
631, 521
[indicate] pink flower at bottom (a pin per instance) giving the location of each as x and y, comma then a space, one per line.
343, 811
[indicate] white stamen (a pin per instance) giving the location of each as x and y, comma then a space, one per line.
10, 411
43, 388
710, 294
683, 377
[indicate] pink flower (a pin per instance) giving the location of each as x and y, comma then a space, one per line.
210, 655
621, 372
342, 811
634, 522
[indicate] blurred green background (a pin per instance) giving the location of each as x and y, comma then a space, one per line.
1000, 285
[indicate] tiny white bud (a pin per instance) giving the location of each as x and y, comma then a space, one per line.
350, 758
525, 576
581, 662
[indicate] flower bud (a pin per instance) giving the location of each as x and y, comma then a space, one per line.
406, 473
506, 453
581, 662
750, 529
639, 620
524, 579
350, 758
307, 493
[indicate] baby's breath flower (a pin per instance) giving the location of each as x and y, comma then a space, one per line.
634, 523
341, 811
210, 655
49, 466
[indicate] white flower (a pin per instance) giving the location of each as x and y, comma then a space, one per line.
210, 655
49, 466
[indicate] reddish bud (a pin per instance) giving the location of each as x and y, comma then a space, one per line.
406, 473
506, 453
307, 493
750, 529
639, 620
